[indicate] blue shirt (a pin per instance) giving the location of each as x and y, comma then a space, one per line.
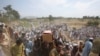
87, 48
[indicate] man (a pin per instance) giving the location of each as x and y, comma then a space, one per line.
29, 47
18, 49
67, 50
4, 39
74, 50
87, 48
57, 51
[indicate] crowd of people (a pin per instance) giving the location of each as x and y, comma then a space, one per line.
49, 49
29, 42
85, 32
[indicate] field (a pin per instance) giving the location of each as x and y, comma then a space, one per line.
76, 23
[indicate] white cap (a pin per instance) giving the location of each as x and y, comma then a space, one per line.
75, 44
91, 38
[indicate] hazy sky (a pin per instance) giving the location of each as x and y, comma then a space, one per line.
65, 8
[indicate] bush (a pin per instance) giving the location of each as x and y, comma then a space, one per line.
92, 23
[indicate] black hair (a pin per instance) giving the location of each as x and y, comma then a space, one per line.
91, 40
18, 41
58, 43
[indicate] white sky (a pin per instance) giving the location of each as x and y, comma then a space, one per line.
65, 8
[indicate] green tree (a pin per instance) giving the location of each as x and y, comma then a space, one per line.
16, 14
50, 18
11, 13
97, 17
